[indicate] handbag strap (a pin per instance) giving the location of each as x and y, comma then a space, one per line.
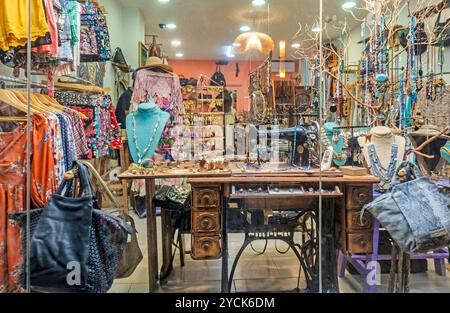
85, 183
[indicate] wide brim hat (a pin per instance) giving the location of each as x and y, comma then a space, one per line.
429, 131
155, 62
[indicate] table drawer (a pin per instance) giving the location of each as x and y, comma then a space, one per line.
206, 247
358, 196
206, 198
205, 222
360, 242
354, 221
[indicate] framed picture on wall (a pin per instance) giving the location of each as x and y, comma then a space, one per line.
143, 54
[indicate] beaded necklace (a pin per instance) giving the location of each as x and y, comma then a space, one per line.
339, 156
377, 168
150, 143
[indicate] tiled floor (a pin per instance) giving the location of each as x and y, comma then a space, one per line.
268, 272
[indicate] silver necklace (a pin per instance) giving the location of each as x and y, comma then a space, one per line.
150, 143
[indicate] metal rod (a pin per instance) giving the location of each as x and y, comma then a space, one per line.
28, 165
320, 70
22, 81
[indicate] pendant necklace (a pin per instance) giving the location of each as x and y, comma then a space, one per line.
150, 143
339, 156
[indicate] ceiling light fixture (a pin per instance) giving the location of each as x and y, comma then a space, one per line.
171, 26
254, 41
164, 1
245, 28
295, 45
179, 55
176, 43
282, 70
348, 5
259, 2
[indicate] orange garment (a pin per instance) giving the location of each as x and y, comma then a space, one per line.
12, 192
52, 48
43, 180
12, 183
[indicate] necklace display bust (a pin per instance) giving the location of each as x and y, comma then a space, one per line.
144, 130
335, 138
387, 149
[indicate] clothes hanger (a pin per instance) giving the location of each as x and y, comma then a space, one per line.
45, 101
10, 98
24, 97
53, 103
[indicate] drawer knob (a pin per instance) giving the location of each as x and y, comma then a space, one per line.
363, 243
206, 245
362, 197
206, 223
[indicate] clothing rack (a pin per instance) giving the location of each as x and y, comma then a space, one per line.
21, 81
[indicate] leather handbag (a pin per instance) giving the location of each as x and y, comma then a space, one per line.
441, 32
416, 214
119, 60
60, 241
132, 254
75, 247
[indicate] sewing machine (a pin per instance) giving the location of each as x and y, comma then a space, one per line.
302, 139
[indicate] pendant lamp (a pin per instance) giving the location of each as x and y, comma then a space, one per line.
253, 41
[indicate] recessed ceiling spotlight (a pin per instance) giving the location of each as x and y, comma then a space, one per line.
171, 26
179, 55
348, 5
236, 44
176, 43
245, 28
163, 1
295, 45
316, 29
259, 2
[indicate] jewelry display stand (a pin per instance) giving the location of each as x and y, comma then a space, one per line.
144, 129
383, 141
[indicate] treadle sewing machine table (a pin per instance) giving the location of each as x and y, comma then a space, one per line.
342, 198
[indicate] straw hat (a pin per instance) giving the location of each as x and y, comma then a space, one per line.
155, 62
429, 131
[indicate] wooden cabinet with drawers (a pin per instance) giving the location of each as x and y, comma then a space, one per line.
357, 233
205, 222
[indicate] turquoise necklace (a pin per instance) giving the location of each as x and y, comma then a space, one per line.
339, 143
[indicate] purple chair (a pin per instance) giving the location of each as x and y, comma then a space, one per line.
359, 261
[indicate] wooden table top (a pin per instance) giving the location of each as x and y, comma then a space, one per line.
237, 174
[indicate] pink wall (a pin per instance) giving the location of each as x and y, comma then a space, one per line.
193, 68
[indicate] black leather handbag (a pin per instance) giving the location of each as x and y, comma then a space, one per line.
60, 243
75, 247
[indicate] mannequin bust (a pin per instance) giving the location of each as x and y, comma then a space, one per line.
336, 139
382, 146
144, 129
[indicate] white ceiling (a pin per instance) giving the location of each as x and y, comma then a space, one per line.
205, 27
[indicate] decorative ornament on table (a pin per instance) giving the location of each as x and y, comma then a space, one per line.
335, 138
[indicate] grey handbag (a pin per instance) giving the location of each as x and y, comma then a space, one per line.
416, 214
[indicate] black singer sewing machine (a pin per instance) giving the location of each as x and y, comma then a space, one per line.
302, 141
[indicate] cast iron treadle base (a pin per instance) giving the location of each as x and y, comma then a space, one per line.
306, 253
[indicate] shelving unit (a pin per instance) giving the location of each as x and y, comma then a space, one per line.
205, 117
